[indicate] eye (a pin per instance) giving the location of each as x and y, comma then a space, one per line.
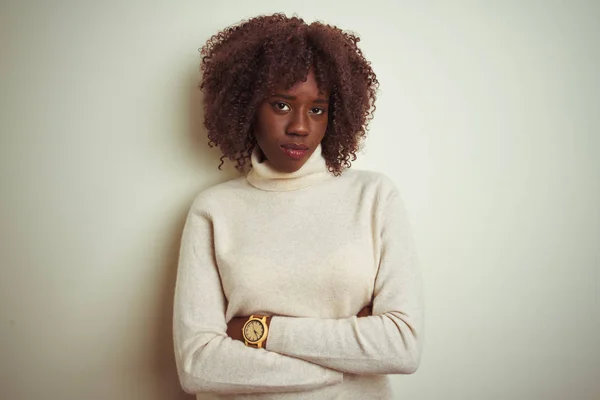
279, 106
317, 111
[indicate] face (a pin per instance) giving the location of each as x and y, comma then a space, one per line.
290, 124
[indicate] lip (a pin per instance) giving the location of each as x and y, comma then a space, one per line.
294, 150
295, 146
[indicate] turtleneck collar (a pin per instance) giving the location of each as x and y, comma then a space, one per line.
263, 176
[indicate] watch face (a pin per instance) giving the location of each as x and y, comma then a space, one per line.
253, 331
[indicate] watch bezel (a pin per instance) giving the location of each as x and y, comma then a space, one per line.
264, 334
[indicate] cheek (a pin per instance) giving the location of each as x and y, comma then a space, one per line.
267, 125
260, 125
321, 128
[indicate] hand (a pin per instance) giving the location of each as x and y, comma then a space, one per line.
365, 312
235, 326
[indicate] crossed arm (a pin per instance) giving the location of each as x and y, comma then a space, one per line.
385, 340
235, 326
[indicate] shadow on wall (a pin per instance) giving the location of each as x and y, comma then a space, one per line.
205, 159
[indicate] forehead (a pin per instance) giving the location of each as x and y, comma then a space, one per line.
307, 87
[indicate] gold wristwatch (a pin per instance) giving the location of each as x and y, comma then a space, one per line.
255, 331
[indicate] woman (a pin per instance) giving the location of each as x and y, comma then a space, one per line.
299, 279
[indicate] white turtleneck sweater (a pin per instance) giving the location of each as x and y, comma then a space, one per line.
312, 250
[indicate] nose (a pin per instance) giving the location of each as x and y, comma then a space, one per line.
299, 124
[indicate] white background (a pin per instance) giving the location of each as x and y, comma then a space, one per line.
488, 120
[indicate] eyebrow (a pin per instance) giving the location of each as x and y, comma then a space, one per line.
292, 98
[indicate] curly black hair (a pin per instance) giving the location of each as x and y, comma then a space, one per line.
242, 65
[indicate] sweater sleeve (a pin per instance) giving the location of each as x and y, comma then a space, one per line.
207, 359
389, 341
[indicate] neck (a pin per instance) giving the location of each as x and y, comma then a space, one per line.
263, 176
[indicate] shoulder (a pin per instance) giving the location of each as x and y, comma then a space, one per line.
377, 182
375, 190
220, 194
